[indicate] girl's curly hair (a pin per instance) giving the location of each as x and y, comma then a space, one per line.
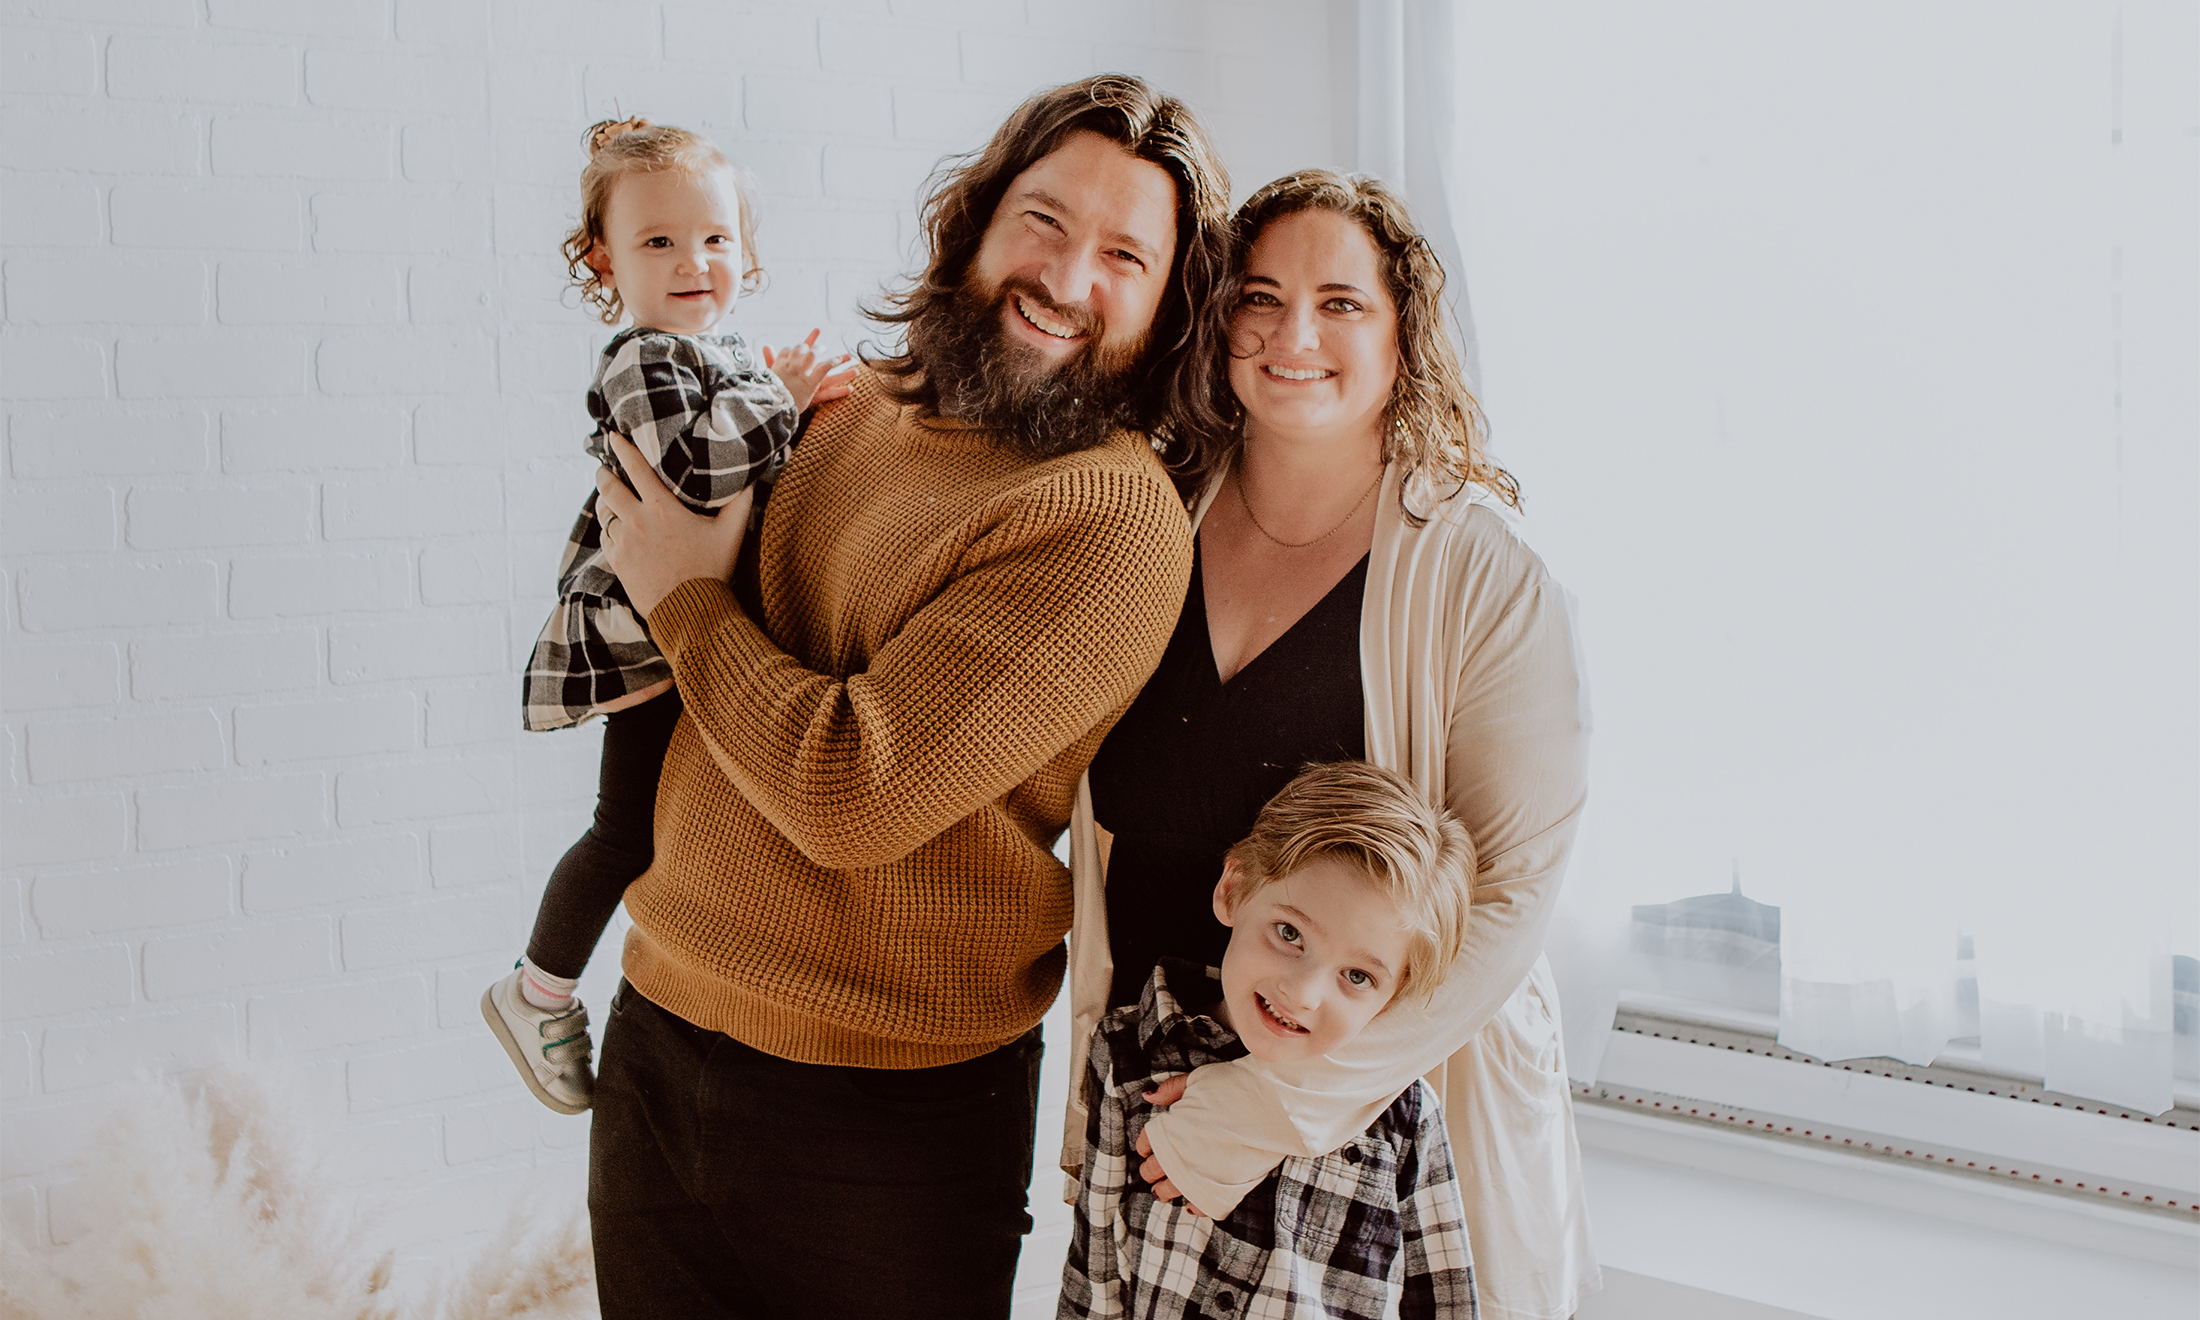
1433, 422
617, 147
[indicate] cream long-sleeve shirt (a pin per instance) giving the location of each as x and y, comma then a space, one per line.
1475, 692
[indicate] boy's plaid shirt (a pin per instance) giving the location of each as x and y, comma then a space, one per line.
712, 421
1320, 1238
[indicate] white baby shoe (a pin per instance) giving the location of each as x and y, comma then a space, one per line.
551, 1050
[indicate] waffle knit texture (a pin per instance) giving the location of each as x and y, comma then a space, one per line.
855, 820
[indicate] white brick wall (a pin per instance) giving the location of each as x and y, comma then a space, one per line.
293, 436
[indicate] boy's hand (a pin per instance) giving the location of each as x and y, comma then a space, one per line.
1164, 1094
1167, 1091
810, 376
1158, 1179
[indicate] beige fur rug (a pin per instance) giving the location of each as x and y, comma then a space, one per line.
210, 1205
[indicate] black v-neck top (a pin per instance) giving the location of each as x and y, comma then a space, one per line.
1184, 772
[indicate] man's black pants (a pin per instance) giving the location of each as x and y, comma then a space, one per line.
723, 1181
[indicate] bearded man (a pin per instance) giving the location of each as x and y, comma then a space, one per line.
819, 1081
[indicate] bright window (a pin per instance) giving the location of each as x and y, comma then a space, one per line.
1847, 355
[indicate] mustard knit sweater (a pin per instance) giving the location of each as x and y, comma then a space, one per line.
854, 824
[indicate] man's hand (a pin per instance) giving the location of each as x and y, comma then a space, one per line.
653, 541
809, 375
1161, 1097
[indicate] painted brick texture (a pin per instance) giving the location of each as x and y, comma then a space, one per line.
293, 435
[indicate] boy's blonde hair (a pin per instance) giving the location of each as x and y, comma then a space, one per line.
1364, 815
617, 147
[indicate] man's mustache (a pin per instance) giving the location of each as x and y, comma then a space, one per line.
1086, 321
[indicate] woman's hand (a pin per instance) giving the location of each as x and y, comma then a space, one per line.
653, 541
1162, 1096
810, 376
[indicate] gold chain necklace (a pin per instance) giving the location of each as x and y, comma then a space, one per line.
1237, 479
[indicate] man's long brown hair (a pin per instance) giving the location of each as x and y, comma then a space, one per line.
1432, 423
1167, 397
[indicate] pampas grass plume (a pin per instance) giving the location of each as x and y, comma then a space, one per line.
212, 1206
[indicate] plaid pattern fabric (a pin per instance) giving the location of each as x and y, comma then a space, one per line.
712, 421
1339, 1236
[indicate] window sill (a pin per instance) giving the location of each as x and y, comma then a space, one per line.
2065, 1220
1704, 1073
1958, 1068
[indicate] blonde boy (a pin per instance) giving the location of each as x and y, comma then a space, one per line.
1347, 895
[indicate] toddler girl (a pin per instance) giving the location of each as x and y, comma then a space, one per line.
665, 235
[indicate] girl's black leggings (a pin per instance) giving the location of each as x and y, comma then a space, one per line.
587, 883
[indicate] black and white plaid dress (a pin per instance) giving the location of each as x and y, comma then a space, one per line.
713, 421
1376, 1225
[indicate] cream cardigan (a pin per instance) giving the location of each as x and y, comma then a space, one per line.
1474, 691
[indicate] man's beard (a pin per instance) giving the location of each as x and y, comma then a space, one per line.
984, 377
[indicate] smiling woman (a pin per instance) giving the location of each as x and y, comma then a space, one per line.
1316, 353
1361, 593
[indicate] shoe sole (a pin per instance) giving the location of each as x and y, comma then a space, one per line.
495, 1020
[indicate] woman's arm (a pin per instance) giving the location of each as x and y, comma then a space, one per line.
1514, 766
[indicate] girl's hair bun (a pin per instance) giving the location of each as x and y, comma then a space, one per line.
604, 134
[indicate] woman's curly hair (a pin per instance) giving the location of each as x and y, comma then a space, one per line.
1433, 423
617, 147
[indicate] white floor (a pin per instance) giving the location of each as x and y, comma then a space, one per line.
1628, 1296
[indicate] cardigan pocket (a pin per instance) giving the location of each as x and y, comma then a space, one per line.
1518, 1052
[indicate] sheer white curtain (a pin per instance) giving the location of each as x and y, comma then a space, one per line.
1846, 356
1407, 130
